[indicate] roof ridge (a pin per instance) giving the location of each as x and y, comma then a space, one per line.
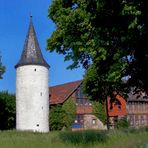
60, 93
67, 96
66, 83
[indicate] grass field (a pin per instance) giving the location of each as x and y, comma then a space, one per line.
114, 139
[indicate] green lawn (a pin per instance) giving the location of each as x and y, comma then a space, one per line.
114, 139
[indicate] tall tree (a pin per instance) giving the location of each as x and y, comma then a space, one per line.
7, 111
107, 37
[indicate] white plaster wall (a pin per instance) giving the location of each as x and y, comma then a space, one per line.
88, 122
32, 98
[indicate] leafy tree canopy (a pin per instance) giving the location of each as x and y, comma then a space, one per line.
107, 37
122, 123
56, 118
69, 110
7, 111
2, 68
62, 115
99, 111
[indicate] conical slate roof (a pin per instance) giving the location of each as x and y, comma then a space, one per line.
31, 54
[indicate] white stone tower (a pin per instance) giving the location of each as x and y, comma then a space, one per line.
32, 96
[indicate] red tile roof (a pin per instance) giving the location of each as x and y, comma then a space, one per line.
115, 110
60, 93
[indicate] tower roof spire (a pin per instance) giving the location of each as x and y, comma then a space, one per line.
31, 54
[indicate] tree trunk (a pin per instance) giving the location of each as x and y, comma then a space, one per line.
107, 116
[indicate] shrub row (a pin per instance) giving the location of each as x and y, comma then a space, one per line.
84, 137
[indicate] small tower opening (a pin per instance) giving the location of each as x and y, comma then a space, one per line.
35, 69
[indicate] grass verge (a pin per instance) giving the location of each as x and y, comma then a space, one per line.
126, 138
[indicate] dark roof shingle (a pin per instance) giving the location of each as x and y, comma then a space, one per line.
31, 54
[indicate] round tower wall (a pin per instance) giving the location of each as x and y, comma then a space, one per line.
32, 98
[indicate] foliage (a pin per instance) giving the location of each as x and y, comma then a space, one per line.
85, 137
56, 118
109, 38
7, 111
2, 69
62, 115
69, 110
122, 123
99, 111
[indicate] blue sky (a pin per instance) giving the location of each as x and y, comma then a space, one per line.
14, 21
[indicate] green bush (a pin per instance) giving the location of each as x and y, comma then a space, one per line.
62, 116
56, 118
69, 112
132, 130
7, 111
146, 128
84, 137
99, 111
122, 123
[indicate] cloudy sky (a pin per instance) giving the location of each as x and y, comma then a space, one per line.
14, 21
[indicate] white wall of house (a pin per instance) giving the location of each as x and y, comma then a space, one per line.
92, 122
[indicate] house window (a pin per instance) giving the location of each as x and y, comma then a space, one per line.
131, 120
142, 120
130, 106
136, 120
76, 121
79, 119
116, 118
93, 121
79, 93
118, 104
119, 107
141, 107
80, 98
136, 107
79, 101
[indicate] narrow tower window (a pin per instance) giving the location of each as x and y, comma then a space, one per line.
41, 94
35, 69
